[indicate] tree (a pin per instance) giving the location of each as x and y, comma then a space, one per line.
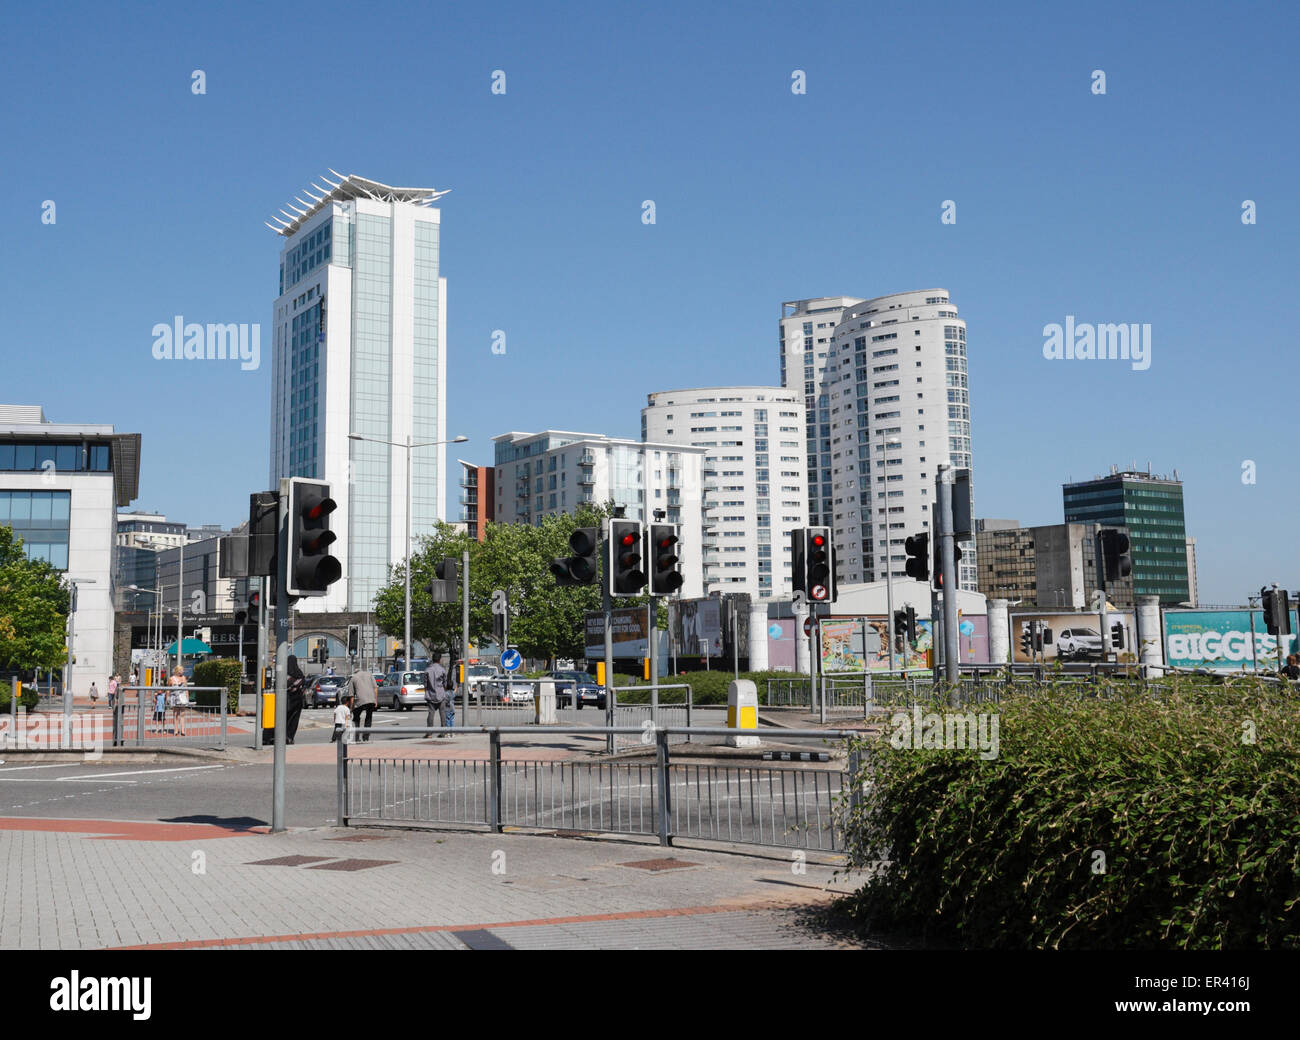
437, 625
34, 605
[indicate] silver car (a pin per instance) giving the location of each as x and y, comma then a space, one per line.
402, 691
508, 691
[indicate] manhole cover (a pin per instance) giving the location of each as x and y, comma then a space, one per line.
353, 864
360, 837
659, 864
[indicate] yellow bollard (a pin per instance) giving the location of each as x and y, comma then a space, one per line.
600, 673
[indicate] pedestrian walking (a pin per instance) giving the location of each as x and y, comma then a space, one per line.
297, 691
342, 717
364, 697
160, 710
113, 684
435, 695
94, 693
179, 699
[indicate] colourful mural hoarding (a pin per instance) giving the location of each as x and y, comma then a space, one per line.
1220, 640
842, 645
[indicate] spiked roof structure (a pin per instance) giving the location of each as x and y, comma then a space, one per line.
345, 188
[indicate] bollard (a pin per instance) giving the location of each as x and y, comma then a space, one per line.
742, 712
661, 761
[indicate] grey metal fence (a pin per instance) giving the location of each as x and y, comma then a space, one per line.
792, 806
141, 718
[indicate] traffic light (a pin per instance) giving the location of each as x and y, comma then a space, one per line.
263, 531
626, 578
1117, 636
1027, 639
1115, 554
580, 568
938, 564
665, 566
912, 634
819, 565
1277, 618
354, 640
918, 556
254, 612
443, 588
311, 568
900, 625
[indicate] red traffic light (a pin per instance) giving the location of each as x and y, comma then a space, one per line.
629, 539
819, 540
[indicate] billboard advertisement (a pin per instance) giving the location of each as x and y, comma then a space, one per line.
629, 625
843, 650
782, 635
700, 622
1071, 637
1220, 640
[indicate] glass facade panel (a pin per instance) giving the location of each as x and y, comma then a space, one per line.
40, 519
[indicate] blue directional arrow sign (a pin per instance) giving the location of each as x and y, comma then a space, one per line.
510, 660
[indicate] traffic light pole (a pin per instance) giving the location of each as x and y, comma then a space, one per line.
464, 638
608, 601
889, 610
281, 663
652, 620
1283, 621
951, 582
1103, 617
259, 680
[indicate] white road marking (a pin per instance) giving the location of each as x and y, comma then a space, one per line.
138, 772
52, 765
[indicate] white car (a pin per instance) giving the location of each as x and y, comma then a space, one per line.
1078, 642
509, 691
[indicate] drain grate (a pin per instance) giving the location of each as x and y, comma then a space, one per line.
353, 864
360, 837
659, 864
287, 861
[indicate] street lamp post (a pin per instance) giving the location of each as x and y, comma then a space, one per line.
410, 447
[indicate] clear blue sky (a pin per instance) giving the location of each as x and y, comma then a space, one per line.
1117, 208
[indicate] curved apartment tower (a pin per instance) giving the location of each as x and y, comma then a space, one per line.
899, 403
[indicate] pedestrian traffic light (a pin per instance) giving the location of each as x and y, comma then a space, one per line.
938, 564
444, 588
263, 531
312, 570
1277, 618
819, 565
626, 578
665, 566
581, 567
912, 633
918, 556
1117, 561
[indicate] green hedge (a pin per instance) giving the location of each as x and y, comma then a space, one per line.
707, 687
1103, 822
220, 671
28, 699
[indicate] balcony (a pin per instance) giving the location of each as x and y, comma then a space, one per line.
587, 460
586, 480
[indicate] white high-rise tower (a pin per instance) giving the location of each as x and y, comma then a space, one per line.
360, 346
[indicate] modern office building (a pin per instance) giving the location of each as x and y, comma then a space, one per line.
61, 485
1151, 508
755, 484
556, 471
359, 346
899, 406
1051, 566
806, 330
477, 497
153, 531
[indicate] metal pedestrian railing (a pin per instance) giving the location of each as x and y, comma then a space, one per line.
135, 719
649, 708
791, 806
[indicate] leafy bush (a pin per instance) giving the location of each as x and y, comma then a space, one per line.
1106, 820
28, 699
220, 671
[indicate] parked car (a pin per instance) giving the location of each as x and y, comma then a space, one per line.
502, 690
578, 688
1078, 642
402, 691
323, 690
476, 678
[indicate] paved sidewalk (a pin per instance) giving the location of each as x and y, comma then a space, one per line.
92, 884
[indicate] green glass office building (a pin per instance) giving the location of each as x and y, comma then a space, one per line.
1152, 509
